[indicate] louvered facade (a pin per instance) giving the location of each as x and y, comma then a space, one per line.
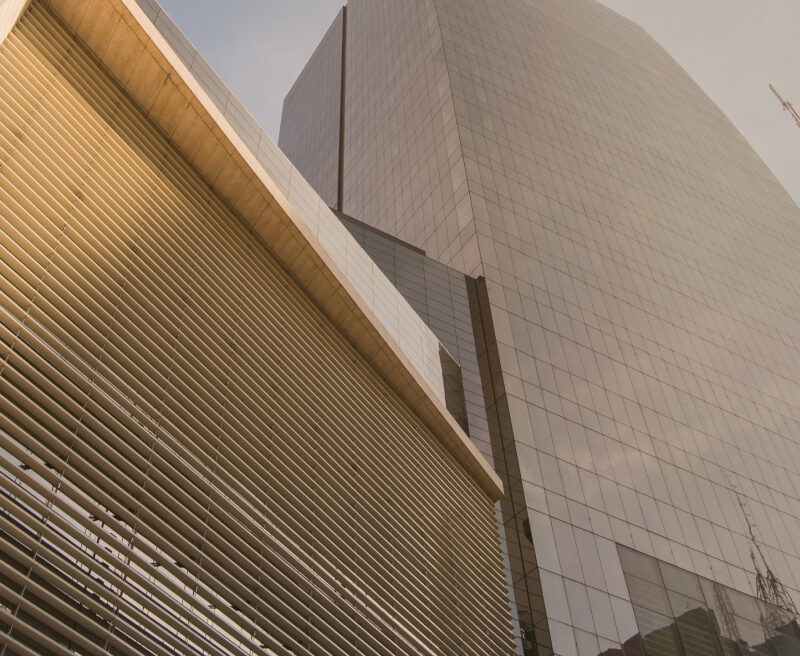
196, 455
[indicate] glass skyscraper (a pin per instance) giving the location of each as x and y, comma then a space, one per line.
633, 277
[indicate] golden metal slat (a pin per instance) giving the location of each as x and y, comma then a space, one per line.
196, 434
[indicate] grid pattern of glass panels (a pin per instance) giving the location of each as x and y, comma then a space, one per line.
403, 167
641, 265
641, 272
440, 296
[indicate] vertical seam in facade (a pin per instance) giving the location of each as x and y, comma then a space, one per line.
480, 295
340, 181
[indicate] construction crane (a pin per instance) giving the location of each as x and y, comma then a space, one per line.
787, 106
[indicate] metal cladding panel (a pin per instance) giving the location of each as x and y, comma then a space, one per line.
192, 458
443, 297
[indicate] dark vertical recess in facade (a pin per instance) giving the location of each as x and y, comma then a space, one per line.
340, 187
527, 589
453, 388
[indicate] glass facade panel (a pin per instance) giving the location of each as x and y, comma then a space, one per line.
787, 640
663, 641
648, 595
697, 631
681, 581
701, 616
639, 565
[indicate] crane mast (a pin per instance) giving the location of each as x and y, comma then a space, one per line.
769, 589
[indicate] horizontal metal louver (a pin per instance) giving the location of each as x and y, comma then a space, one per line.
192, 459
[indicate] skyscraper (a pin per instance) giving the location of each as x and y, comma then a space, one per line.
222, 429
634, 277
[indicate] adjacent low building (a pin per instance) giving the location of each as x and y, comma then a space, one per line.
222, 429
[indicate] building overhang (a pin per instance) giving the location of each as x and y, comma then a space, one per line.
153, 64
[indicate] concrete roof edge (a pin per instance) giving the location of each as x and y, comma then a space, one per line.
10, 11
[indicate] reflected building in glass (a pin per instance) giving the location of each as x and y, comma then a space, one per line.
632, 275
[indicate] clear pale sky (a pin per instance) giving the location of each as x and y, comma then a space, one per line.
732, 48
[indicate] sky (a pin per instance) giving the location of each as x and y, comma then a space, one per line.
733, 48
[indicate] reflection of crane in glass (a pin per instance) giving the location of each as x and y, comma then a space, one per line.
777, 603
726, 612
787, 106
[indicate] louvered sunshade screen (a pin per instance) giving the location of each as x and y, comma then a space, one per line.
192, 459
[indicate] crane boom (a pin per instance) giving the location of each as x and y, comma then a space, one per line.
786, 106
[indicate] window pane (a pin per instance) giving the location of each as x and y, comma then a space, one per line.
697, 632
648, 595
787, 640
680, 580
640, 565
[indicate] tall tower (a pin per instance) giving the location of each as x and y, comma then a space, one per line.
636, 272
